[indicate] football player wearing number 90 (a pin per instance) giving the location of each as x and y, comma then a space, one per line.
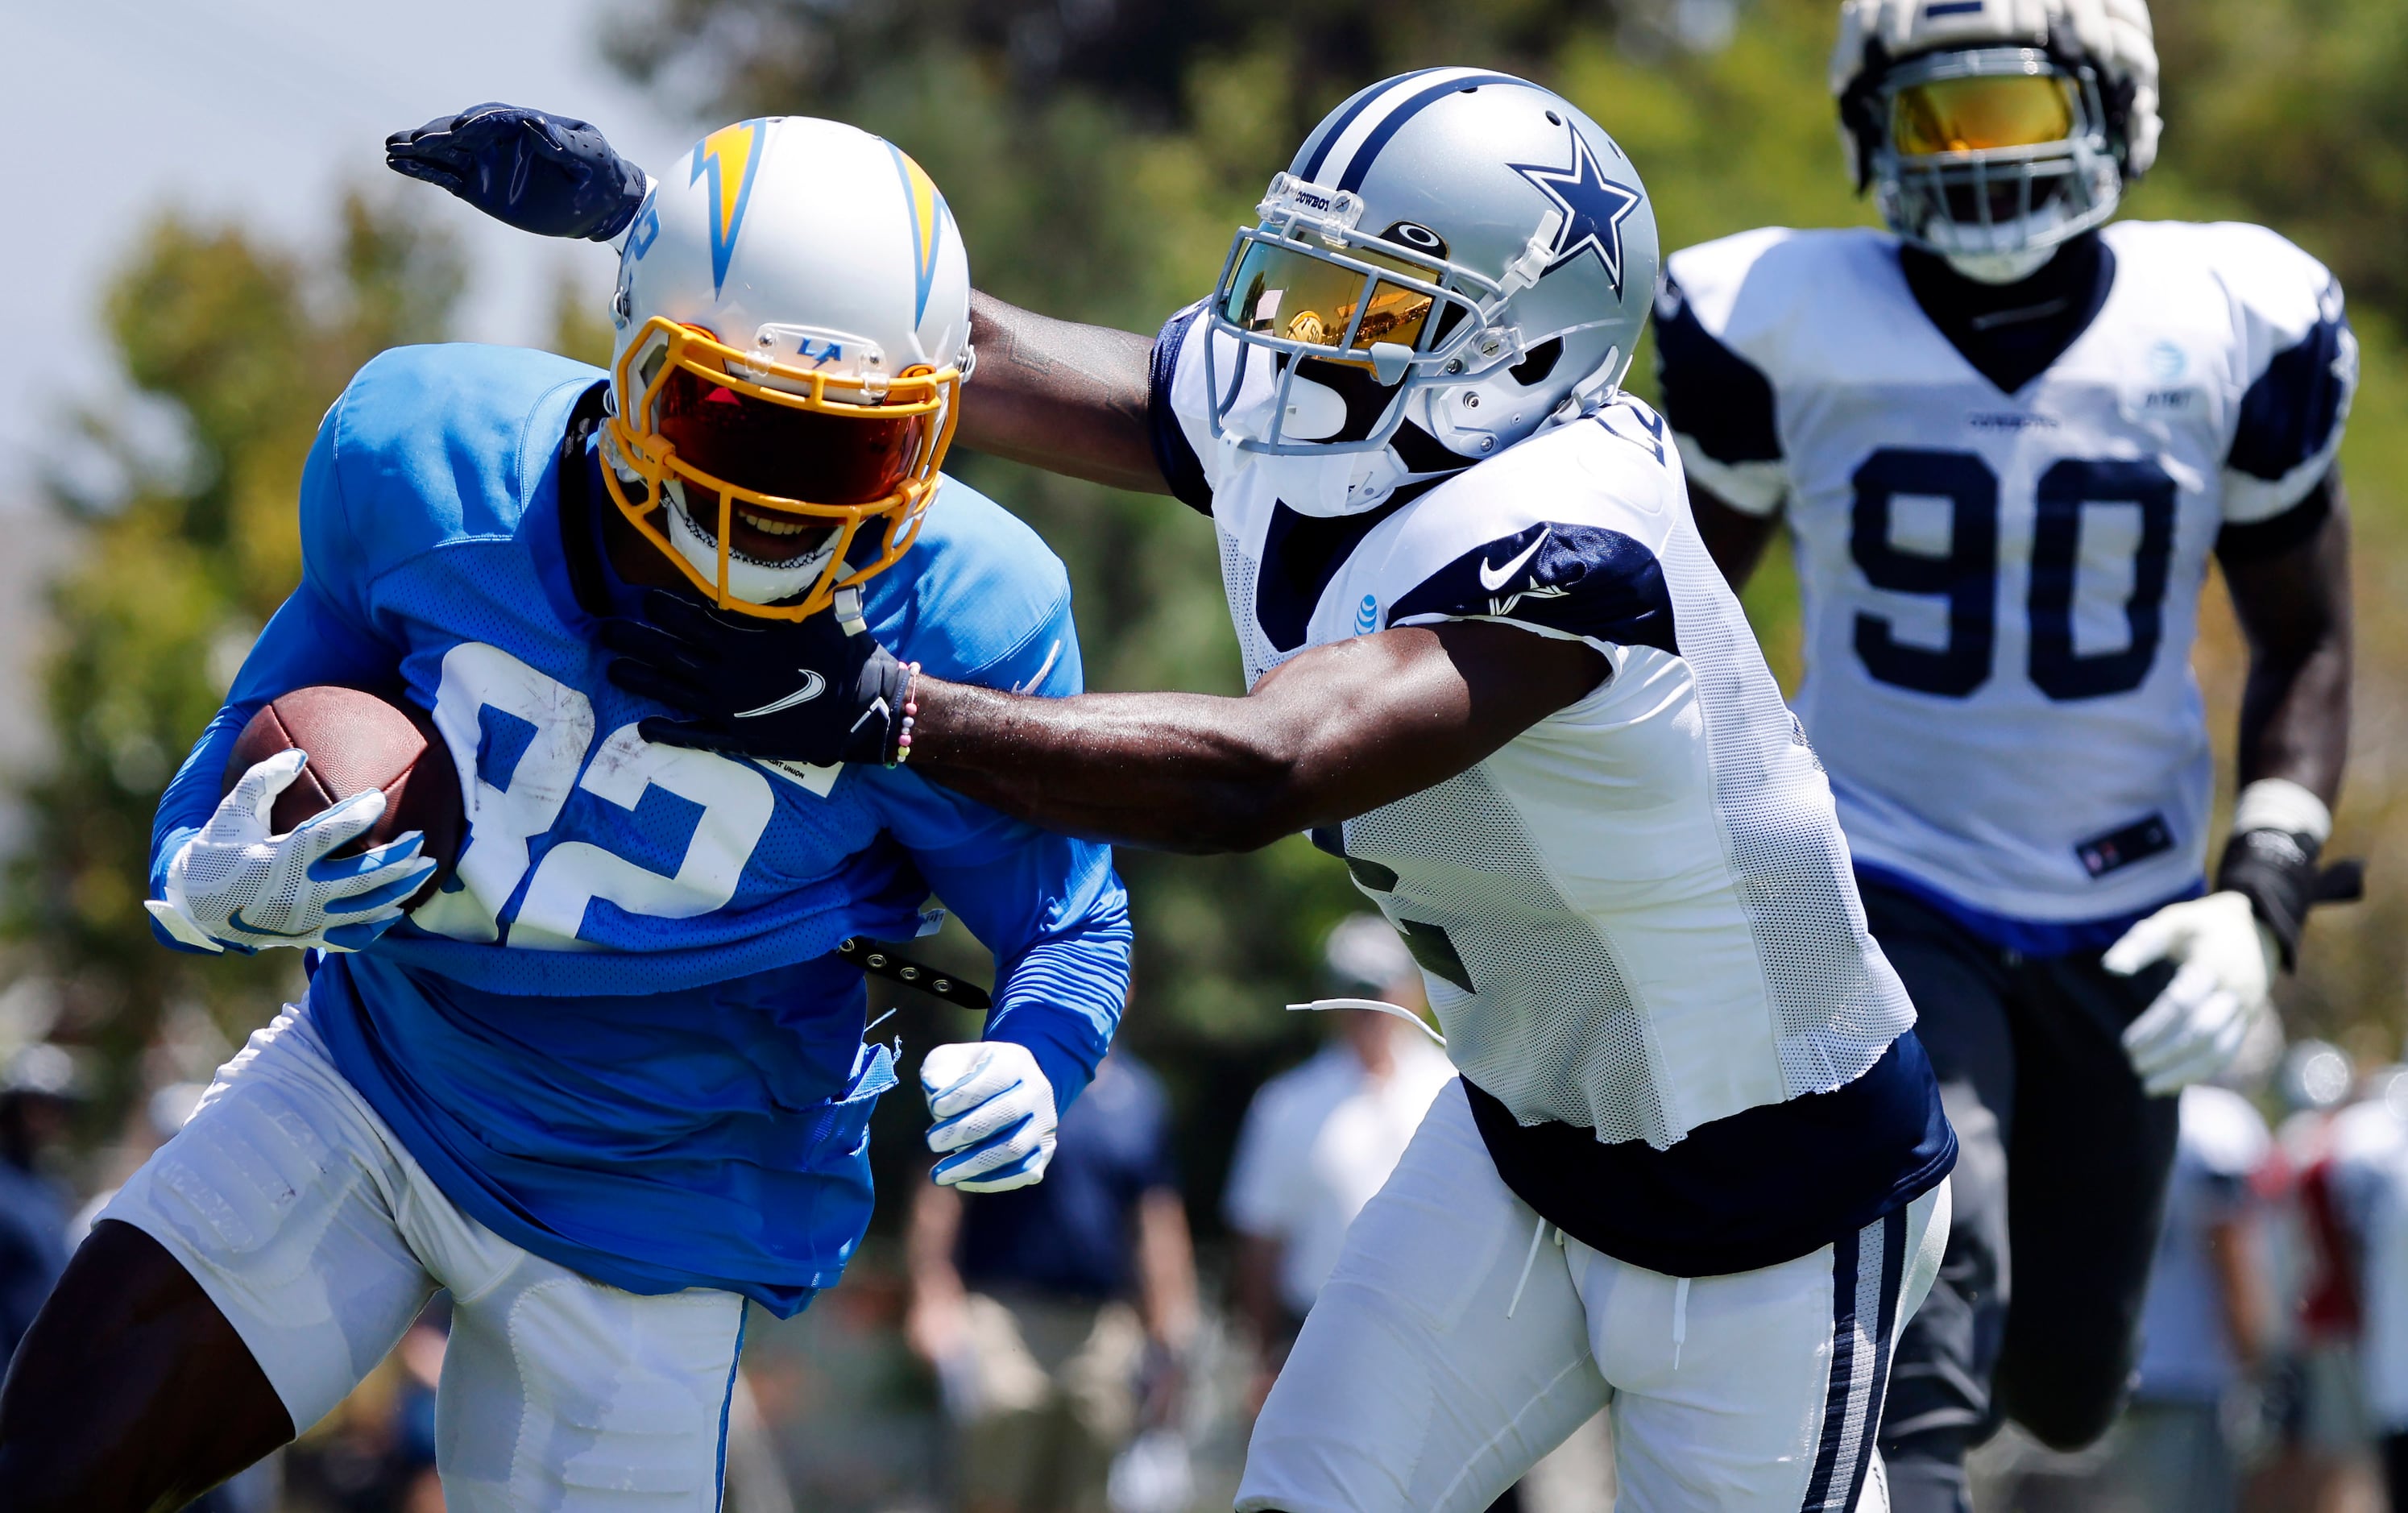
610, 1085
2006, 438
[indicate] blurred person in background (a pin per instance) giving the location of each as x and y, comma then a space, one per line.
38, 1092
2384, 1279
1320, 1139
2327, 1149
2207, 1326
1057, 1317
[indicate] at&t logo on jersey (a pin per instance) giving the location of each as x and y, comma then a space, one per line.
1367, 615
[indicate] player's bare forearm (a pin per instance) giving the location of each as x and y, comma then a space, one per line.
1335, 733
1055, 394
1734, 538
2295, 610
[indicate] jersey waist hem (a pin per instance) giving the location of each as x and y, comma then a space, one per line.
2028, 937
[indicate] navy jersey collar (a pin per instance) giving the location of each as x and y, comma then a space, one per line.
2012, 333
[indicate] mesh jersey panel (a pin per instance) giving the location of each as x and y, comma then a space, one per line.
1552, 1031
1837, 1002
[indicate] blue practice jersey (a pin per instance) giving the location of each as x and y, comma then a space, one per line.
618, 1038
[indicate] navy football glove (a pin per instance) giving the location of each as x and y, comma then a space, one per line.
530, 169
793, 691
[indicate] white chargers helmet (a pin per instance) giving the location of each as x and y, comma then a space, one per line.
1454, 256
1991, 130
793, 320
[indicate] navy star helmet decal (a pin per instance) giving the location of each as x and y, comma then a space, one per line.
1593, 206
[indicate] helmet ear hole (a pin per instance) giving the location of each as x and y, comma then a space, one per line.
1540, 361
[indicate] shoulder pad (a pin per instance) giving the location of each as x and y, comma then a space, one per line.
437, 443
979, 598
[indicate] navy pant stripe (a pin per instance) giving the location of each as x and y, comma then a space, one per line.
1845, 1256
1893, 1264
1867, 1271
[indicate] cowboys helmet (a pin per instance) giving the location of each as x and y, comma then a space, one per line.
1453, 258
1991, 130
793, 333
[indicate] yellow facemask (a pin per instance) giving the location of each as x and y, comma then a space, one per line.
705, 415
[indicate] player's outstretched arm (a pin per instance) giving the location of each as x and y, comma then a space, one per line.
1333, 733
1057, 394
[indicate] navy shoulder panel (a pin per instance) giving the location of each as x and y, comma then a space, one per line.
2287, 415
1301, 553
1710, 393
1181, 467
1579, 580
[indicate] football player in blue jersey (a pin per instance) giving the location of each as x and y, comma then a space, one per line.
1695, 1169
2007, 438
611, 1084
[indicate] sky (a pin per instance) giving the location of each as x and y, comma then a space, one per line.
262, 111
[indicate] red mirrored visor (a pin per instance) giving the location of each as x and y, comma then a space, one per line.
784, 453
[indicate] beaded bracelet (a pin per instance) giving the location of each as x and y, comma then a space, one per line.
911, 712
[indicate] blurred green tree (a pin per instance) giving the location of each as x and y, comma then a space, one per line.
243, 346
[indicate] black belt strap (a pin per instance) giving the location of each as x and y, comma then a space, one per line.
881, 960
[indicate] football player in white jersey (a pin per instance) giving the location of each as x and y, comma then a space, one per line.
2006, 438
1695, 1166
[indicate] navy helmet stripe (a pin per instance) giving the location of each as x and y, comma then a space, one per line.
1411, 107
1362, 103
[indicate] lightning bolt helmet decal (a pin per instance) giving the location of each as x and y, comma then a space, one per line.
730, 157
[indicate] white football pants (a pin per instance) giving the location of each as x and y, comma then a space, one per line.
320, 1239
1445, 1356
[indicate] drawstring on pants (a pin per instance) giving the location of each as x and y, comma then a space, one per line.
1680, 1318
1528, 1261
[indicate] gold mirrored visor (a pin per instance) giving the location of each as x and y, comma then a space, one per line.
1293, 295
1981, 113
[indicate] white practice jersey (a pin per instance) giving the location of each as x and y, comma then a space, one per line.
2002, 589
1635, 917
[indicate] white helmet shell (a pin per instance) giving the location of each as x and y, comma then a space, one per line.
1511, 227
809, 246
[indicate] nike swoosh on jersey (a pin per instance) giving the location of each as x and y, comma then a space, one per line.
1493, 578
813, 686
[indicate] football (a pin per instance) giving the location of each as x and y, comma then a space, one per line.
357, 740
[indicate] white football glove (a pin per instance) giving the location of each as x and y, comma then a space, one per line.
2225, 959
994, 1110
235, 884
